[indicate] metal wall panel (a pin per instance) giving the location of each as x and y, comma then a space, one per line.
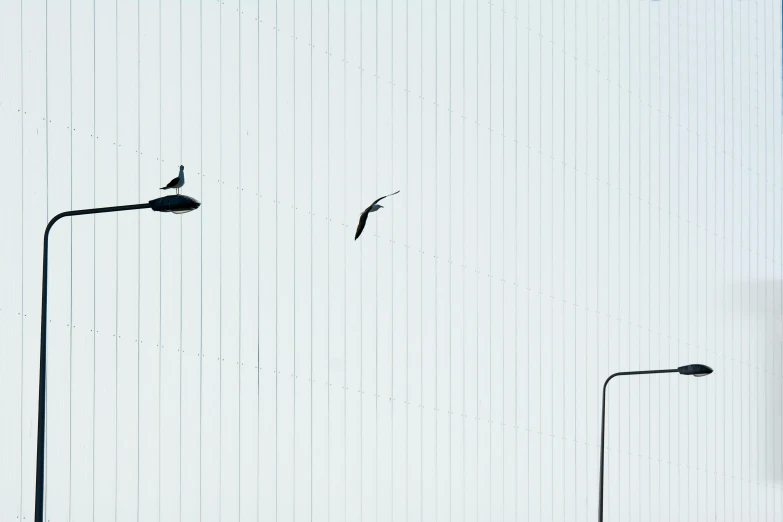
586, 187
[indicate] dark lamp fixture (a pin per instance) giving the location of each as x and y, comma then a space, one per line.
176, 203
697, 370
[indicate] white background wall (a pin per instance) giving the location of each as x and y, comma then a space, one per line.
586, 187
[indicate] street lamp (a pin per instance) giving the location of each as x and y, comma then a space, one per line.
179, 204
697, 370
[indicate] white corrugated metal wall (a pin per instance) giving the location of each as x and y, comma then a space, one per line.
586, 187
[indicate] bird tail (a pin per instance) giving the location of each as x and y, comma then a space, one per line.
164, 188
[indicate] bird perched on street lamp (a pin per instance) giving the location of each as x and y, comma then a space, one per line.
372, 208
177, 182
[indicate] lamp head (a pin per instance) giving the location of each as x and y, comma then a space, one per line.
176, 203
697, 370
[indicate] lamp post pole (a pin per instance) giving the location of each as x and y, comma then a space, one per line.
697, 370
178, 204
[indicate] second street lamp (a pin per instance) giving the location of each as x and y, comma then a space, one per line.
697, 370
178, 204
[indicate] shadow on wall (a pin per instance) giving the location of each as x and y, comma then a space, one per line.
758, 311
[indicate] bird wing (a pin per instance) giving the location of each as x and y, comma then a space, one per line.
171, 184
362, 222
386, 196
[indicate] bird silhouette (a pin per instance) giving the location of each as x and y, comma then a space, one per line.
177, 182
372, 208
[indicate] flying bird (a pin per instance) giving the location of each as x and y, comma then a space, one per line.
372, 208
177, 182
